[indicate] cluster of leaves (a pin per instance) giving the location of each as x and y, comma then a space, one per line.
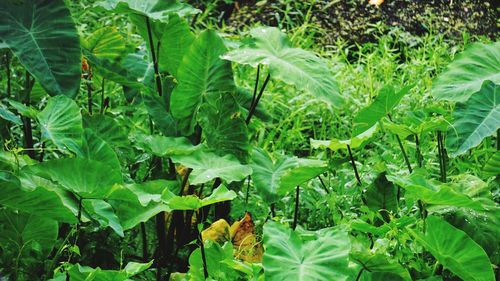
171, 121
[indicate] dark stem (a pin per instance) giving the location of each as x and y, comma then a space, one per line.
161, 237
359, 274
27, 129
442, 156
323, 184
254, 96
403, 151
102, 97
254, 105
420, 158
153, 57
273, 209
89, 94
358, 178
296, 212
247, 194
203, 257
42, 152
144, 242
78, 225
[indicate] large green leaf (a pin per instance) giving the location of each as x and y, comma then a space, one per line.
61, 123
377, 262
154, 9
465, 75
42, 34
273, 179
383, 104
354, 142
8, 115
288, 256
218, 260
105, 43
103, 212
165, 146
87, 178
208, 166
193, 202
159, 110
176, 39
291, 65
84, 273
94, 148
476, 119
201, 72
23, 232
224, 128
41, 198
381, 196
492, 167
455, 250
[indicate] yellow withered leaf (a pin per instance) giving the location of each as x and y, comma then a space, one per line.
376, 2
217, 232
245, 242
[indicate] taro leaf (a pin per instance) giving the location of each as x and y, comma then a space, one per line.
8, 115
42, 34
84, 273
103, 212
218, 258
105, 43
433, 192
288, 256
87, 178
455, 250
176, 39
193, 202
41, 199
273, 179
492, 167
476, 119
200, 73
208, 166
294, 66
224, 128
140, 68
380, 263
136, 203
106, 128
94, 148
165, 146
465, 75
381, 196
61, 123
23, 232
154, 9
159, 110
354, 142
383, 104
26, 111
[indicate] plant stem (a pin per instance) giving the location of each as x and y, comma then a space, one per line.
27, 129
144, 242
323, 184
359, 274
89, 94
101, 110
254, 96
442, 157
247, 194
153, 57
358, 178
203, 256
403, 151
420, 158
254, 105
296, 212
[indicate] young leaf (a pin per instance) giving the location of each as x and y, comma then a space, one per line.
354, 142
381, 196
476, 119
105, 43
165, 146
201, 72
289, 256
103, 212
78, 272
455, 250
376, 262
294, 66
42, 34
383, 104
193, 202
465, 75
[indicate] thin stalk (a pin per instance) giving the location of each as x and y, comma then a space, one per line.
247, 194
254, 105
442, 156
153, 57
420, 158
78, 225
89, 94
360, 273
403, 151
254, 96
27, 129
101, 110
358, 178
203, 256
144, 242
296, 212
323, 184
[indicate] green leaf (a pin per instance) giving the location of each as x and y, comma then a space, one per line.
492, 167
381, 196
201, 72
103, 212
376, 262
8, 115
154, 9
61, 123
224, 128
165, 146
273, 179
176, 39
294, 66
105, 43
383, 104
26, 111
43, 36
208, 166
217, 257
41, 198
84, 273
20, 231
465, 75
159, 110
476, 119
87, 178
94, 148
455, 250
354, 142
193, 202
289, 256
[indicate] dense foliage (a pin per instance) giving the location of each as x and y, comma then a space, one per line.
141, 143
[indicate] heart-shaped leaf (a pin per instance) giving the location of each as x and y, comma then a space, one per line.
193, 202
354, 142
154, 9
